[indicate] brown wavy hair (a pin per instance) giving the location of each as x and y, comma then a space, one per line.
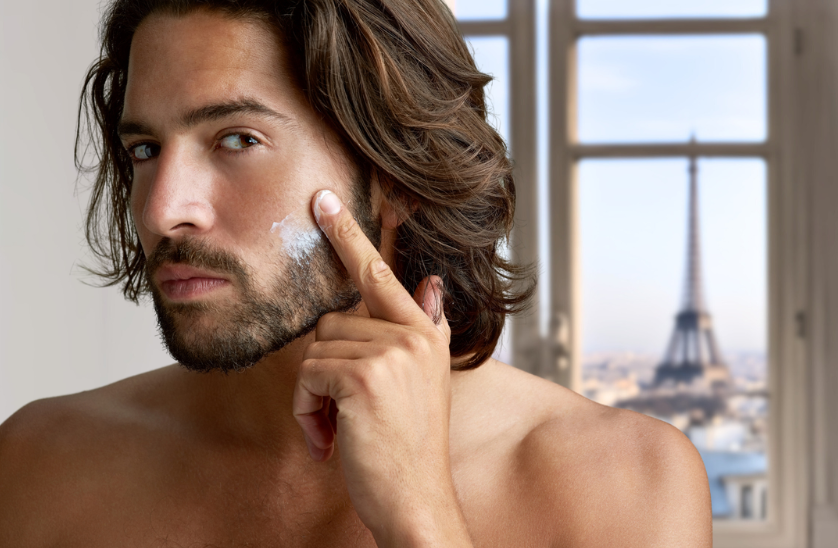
396, 81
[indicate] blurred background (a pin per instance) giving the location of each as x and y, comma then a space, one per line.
675, 163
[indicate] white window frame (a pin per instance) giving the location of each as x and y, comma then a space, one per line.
520, 29
560, 352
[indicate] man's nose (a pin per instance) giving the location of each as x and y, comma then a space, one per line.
178, 201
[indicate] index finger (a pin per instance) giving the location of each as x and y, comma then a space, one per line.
383, 294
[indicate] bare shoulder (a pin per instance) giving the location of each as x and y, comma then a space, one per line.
36, 457
620, 477
55, 453
592, 475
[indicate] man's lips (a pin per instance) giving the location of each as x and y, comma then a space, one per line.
184, 282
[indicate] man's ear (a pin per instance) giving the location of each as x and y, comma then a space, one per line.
390, 219
392, 214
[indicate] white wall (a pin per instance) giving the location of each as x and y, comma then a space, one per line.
57, 335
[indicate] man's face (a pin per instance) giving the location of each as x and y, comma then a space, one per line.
228, 154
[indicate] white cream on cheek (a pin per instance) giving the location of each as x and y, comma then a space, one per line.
298, 240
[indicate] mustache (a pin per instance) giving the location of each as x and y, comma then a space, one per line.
195, 253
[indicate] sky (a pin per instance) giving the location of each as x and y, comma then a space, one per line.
633, 213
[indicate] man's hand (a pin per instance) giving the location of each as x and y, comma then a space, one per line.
379, 388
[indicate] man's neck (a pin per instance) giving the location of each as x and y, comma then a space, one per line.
254, 406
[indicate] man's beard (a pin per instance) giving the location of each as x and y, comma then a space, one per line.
243, 333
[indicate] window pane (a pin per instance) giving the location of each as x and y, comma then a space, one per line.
491, 53
479, 9
640, 320
747, 501
594, 9
664, 88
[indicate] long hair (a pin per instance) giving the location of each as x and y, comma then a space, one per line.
396, 81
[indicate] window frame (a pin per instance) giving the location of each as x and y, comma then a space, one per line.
557, 354
519, 28
560, 352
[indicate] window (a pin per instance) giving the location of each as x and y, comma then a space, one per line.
664, 187
706, 372
501, 34
629, 100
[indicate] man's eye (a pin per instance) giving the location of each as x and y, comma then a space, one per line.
144, 151
238, 140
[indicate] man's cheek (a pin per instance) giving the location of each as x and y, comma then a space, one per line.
297, 237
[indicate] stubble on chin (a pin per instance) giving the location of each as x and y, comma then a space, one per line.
236, 333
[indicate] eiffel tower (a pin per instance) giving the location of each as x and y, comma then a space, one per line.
693, 353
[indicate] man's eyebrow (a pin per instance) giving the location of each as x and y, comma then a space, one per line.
208, 113
217, 111
127, 127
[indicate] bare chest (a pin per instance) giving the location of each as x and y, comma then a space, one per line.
176, 495
178, 518
194, 508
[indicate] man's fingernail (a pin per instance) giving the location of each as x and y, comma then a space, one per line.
326, 203
438, 310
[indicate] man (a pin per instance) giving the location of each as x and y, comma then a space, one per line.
274, 174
